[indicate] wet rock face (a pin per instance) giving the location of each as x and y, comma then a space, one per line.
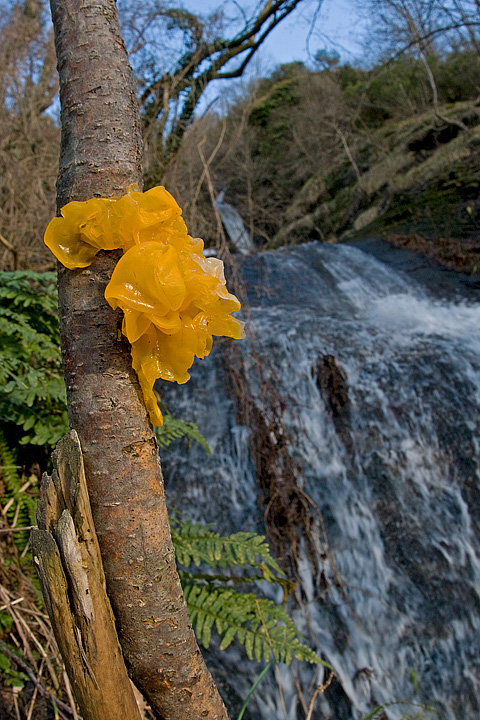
427, 142
332, 382
377, 395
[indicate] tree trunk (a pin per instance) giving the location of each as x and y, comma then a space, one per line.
68, 561
100, 156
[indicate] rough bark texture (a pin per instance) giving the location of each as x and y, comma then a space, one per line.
67, 555
101, 156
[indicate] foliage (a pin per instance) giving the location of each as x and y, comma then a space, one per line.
174, 428
197, 543
32, 395
263, 627
20, 505
11, 677
388, 90
34, 398
32, 389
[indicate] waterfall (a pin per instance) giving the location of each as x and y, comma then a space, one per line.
234, 226
366, 390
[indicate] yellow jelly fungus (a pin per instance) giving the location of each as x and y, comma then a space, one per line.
173, 298
107, 224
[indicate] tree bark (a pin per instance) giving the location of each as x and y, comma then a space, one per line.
101, 156
68, 561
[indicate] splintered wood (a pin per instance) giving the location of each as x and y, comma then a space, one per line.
69, 566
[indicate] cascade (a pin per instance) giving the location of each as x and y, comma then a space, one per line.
234, 226
346, 428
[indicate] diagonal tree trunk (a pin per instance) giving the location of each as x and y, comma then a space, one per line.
101, 156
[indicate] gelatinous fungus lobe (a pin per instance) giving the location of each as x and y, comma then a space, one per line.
173, 298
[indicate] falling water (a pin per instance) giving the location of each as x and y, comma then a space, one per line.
372, 385
234, 226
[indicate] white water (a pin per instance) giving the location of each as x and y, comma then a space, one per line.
398, 487
234, 226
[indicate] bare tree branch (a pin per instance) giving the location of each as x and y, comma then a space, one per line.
204, 62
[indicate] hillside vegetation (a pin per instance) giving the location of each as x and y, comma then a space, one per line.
327, 154
342, 152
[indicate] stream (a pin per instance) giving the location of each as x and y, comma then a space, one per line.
346, 428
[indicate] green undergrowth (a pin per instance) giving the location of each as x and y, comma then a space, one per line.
32, 389
215, 600
17, 502
175, 428
417, 175
222, 576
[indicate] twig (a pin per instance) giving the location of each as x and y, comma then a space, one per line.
8, 245
319, 689
300, 694
35, 693
42, 653
28, 671
14, 602
15, 529
32, 704
207, 163
70, 695
11, 248
16, 619
223, 239
12, 500
37, 614
15, 691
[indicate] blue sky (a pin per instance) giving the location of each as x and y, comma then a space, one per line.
338, 27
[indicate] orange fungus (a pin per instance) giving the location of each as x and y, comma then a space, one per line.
173, 298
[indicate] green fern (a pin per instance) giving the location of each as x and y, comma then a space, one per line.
32, 395
174, 429
262, 626
23, 507
197, 543
32, 389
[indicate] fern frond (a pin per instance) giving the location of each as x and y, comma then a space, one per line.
197, 543
32, 389
261, 626
174, 429
8, 466
23, 507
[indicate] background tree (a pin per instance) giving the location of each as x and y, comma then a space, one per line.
412, 24
175, 54
170, 91
28, 137
464, 18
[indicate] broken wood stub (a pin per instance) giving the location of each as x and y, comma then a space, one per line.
69, 565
